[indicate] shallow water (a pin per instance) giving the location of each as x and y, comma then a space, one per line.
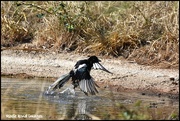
25, 99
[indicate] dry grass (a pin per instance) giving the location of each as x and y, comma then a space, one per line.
147, 32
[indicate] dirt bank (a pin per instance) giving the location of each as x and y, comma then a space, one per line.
126, 75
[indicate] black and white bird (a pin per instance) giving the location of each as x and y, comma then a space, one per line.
81, 76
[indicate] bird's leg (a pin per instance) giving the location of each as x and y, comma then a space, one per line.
86, 93
75, 83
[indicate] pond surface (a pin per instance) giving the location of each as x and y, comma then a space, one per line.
25, 99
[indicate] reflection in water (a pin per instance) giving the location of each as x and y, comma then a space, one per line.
25, 99
81, 113
77, 108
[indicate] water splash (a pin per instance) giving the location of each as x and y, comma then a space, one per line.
68, 91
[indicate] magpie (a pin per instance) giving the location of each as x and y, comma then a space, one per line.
80, 76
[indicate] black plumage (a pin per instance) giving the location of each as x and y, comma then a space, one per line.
81, 76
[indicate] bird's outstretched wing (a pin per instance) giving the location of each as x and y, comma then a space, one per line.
88, 86
99, 66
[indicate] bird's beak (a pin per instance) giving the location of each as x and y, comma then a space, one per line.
99, 60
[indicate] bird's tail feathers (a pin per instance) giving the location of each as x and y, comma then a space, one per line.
58, 83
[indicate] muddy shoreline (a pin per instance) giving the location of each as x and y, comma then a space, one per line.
127, 76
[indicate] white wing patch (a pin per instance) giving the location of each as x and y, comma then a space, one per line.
82, 66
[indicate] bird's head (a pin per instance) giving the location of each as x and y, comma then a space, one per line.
94, 59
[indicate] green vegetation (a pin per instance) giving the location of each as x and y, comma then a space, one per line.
145, 32
139, 111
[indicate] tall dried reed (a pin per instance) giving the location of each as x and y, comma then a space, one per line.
144, 31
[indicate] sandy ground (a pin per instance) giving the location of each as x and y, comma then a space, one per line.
127, 76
